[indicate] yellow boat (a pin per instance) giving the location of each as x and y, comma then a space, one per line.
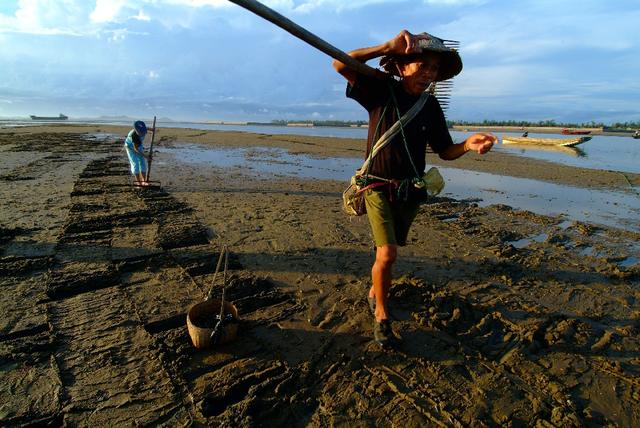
562, 142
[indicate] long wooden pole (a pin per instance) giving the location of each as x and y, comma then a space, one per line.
306, 36
153, 137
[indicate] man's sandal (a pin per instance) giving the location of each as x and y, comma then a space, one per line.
383, 335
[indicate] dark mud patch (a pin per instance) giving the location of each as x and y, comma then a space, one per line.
80, 279
31, 346
8, 233
18, 265
176, 231
79, 223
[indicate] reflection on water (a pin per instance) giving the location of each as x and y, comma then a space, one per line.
527, 149
618, 209
269, 161
629, 262
602, 152
524, 242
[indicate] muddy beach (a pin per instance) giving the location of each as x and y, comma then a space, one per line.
507, 317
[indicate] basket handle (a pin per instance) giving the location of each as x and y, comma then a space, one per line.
223, 253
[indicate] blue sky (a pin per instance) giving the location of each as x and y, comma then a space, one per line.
571, 60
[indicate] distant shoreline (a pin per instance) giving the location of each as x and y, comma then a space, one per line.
460, 128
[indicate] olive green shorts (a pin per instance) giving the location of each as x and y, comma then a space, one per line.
390, 222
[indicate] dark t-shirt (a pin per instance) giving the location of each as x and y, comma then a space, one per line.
428, 127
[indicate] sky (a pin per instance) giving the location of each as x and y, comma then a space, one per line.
536, 60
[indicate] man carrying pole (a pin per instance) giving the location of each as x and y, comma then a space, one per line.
393, 200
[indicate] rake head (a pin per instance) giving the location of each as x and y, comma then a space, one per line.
442, 90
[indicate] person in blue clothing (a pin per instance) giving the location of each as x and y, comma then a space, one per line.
133, 144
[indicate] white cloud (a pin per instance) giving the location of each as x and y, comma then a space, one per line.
141, 16
71, 17
153, 75
106, 10
527, 30
46, 17
497, 80
118, 35
454, 2
309, 6
199, 3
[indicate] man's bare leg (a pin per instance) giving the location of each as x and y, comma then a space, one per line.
381, 278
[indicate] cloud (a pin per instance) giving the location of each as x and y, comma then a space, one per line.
309, 6
44, 17
525, 30
141, 16
454, 2
199, 3
71, 17
106, 10
495, 80
520, 58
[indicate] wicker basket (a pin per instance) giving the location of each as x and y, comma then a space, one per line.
201, 337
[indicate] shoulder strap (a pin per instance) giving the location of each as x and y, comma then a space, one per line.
396, 127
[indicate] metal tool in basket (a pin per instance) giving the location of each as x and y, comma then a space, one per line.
217, 329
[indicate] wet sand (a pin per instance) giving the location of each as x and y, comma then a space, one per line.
507, 317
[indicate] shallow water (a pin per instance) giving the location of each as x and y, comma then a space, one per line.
601, 152
615, 153
617, 209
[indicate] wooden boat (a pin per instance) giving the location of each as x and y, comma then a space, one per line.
564, 142
575, 132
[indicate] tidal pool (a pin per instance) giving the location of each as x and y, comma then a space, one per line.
618, 209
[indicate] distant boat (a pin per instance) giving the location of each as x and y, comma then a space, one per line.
575, 132
636, 135
59, 117
563, 142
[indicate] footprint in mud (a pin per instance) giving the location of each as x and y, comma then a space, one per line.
321, 317
571, 334
407, 289
487, 332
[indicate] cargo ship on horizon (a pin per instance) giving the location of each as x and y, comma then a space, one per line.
59, 117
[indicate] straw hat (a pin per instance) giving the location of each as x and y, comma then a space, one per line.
450, 61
